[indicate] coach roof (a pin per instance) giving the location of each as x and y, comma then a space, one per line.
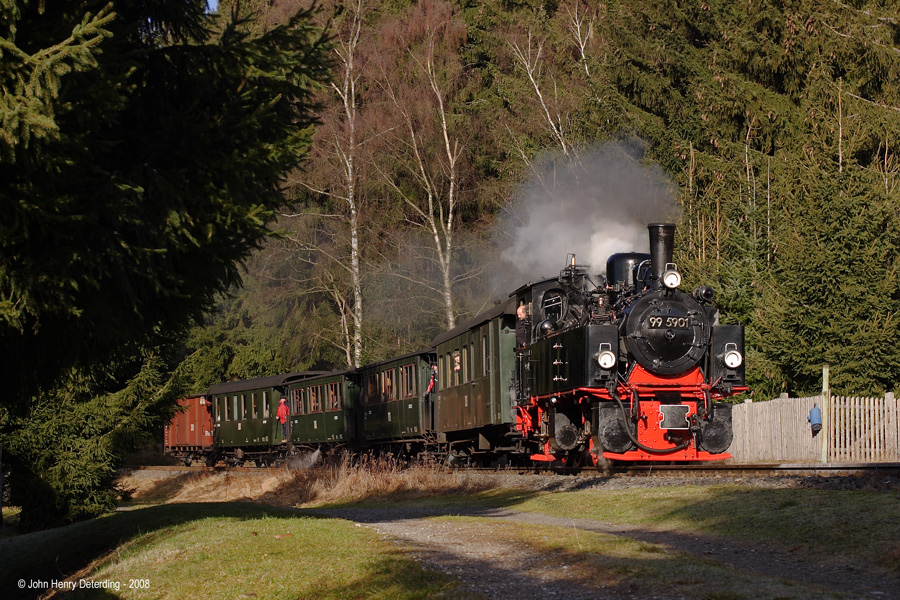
261, 383
504, 307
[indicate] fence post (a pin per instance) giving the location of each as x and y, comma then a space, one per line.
892, 431
826, 406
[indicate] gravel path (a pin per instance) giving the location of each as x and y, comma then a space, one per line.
495, 567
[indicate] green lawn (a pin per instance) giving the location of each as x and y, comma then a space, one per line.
242, 550
846, 527
213, 551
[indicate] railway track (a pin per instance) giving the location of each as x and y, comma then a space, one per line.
641, 470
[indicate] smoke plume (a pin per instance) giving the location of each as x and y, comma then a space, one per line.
593, 207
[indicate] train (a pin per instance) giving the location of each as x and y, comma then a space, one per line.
576, 370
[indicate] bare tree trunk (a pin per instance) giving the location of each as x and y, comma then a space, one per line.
436, 208
452, 151
347, 93
346, 149
582, 28
529, 59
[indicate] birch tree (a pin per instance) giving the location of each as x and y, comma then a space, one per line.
335, 247
419, 78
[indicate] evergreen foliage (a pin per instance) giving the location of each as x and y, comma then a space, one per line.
63, 452
750, 107
142, 151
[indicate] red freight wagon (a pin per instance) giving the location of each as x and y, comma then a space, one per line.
191, 429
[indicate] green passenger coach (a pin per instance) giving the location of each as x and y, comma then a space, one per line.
475, 364
395, 406
244, 415
324, 409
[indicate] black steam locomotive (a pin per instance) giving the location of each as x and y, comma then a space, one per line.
565, 370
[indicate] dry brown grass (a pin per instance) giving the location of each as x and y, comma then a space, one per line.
340, 480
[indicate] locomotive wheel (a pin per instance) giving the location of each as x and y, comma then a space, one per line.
576, 458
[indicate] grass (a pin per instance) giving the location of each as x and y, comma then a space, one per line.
621, 565
221, 551
207, 545
10, 520
838, 527
340, 481
832, 527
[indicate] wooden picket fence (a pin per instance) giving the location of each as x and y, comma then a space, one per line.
855, 430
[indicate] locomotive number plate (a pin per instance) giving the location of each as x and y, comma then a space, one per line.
661, 322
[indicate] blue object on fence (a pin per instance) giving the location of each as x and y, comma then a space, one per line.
815, 419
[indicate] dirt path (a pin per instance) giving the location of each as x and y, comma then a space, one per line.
496, 567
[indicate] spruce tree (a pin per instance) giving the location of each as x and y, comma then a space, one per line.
142, 152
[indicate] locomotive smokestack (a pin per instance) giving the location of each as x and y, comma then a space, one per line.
662, 245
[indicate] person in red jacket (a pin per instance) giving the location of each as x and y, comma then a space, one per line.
282, 414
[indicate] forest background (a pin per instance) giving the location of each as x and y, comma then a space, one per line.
462, 149
466, 147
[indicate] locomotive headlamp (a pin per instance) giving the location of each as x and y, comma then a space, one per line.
732, 358
606, 358
671, 278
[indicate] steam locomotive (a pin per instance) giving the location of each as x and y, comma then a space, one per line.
564, 371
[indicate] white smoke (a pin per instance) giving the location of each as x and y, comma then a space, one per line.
304, 460
593, 207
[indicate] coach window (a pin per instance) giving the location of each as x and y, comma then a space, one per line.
408, 381
315, 399
219, 408
464, 371
388, 389
243, 407
372, 393
333, 396
265, 405
297, 402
